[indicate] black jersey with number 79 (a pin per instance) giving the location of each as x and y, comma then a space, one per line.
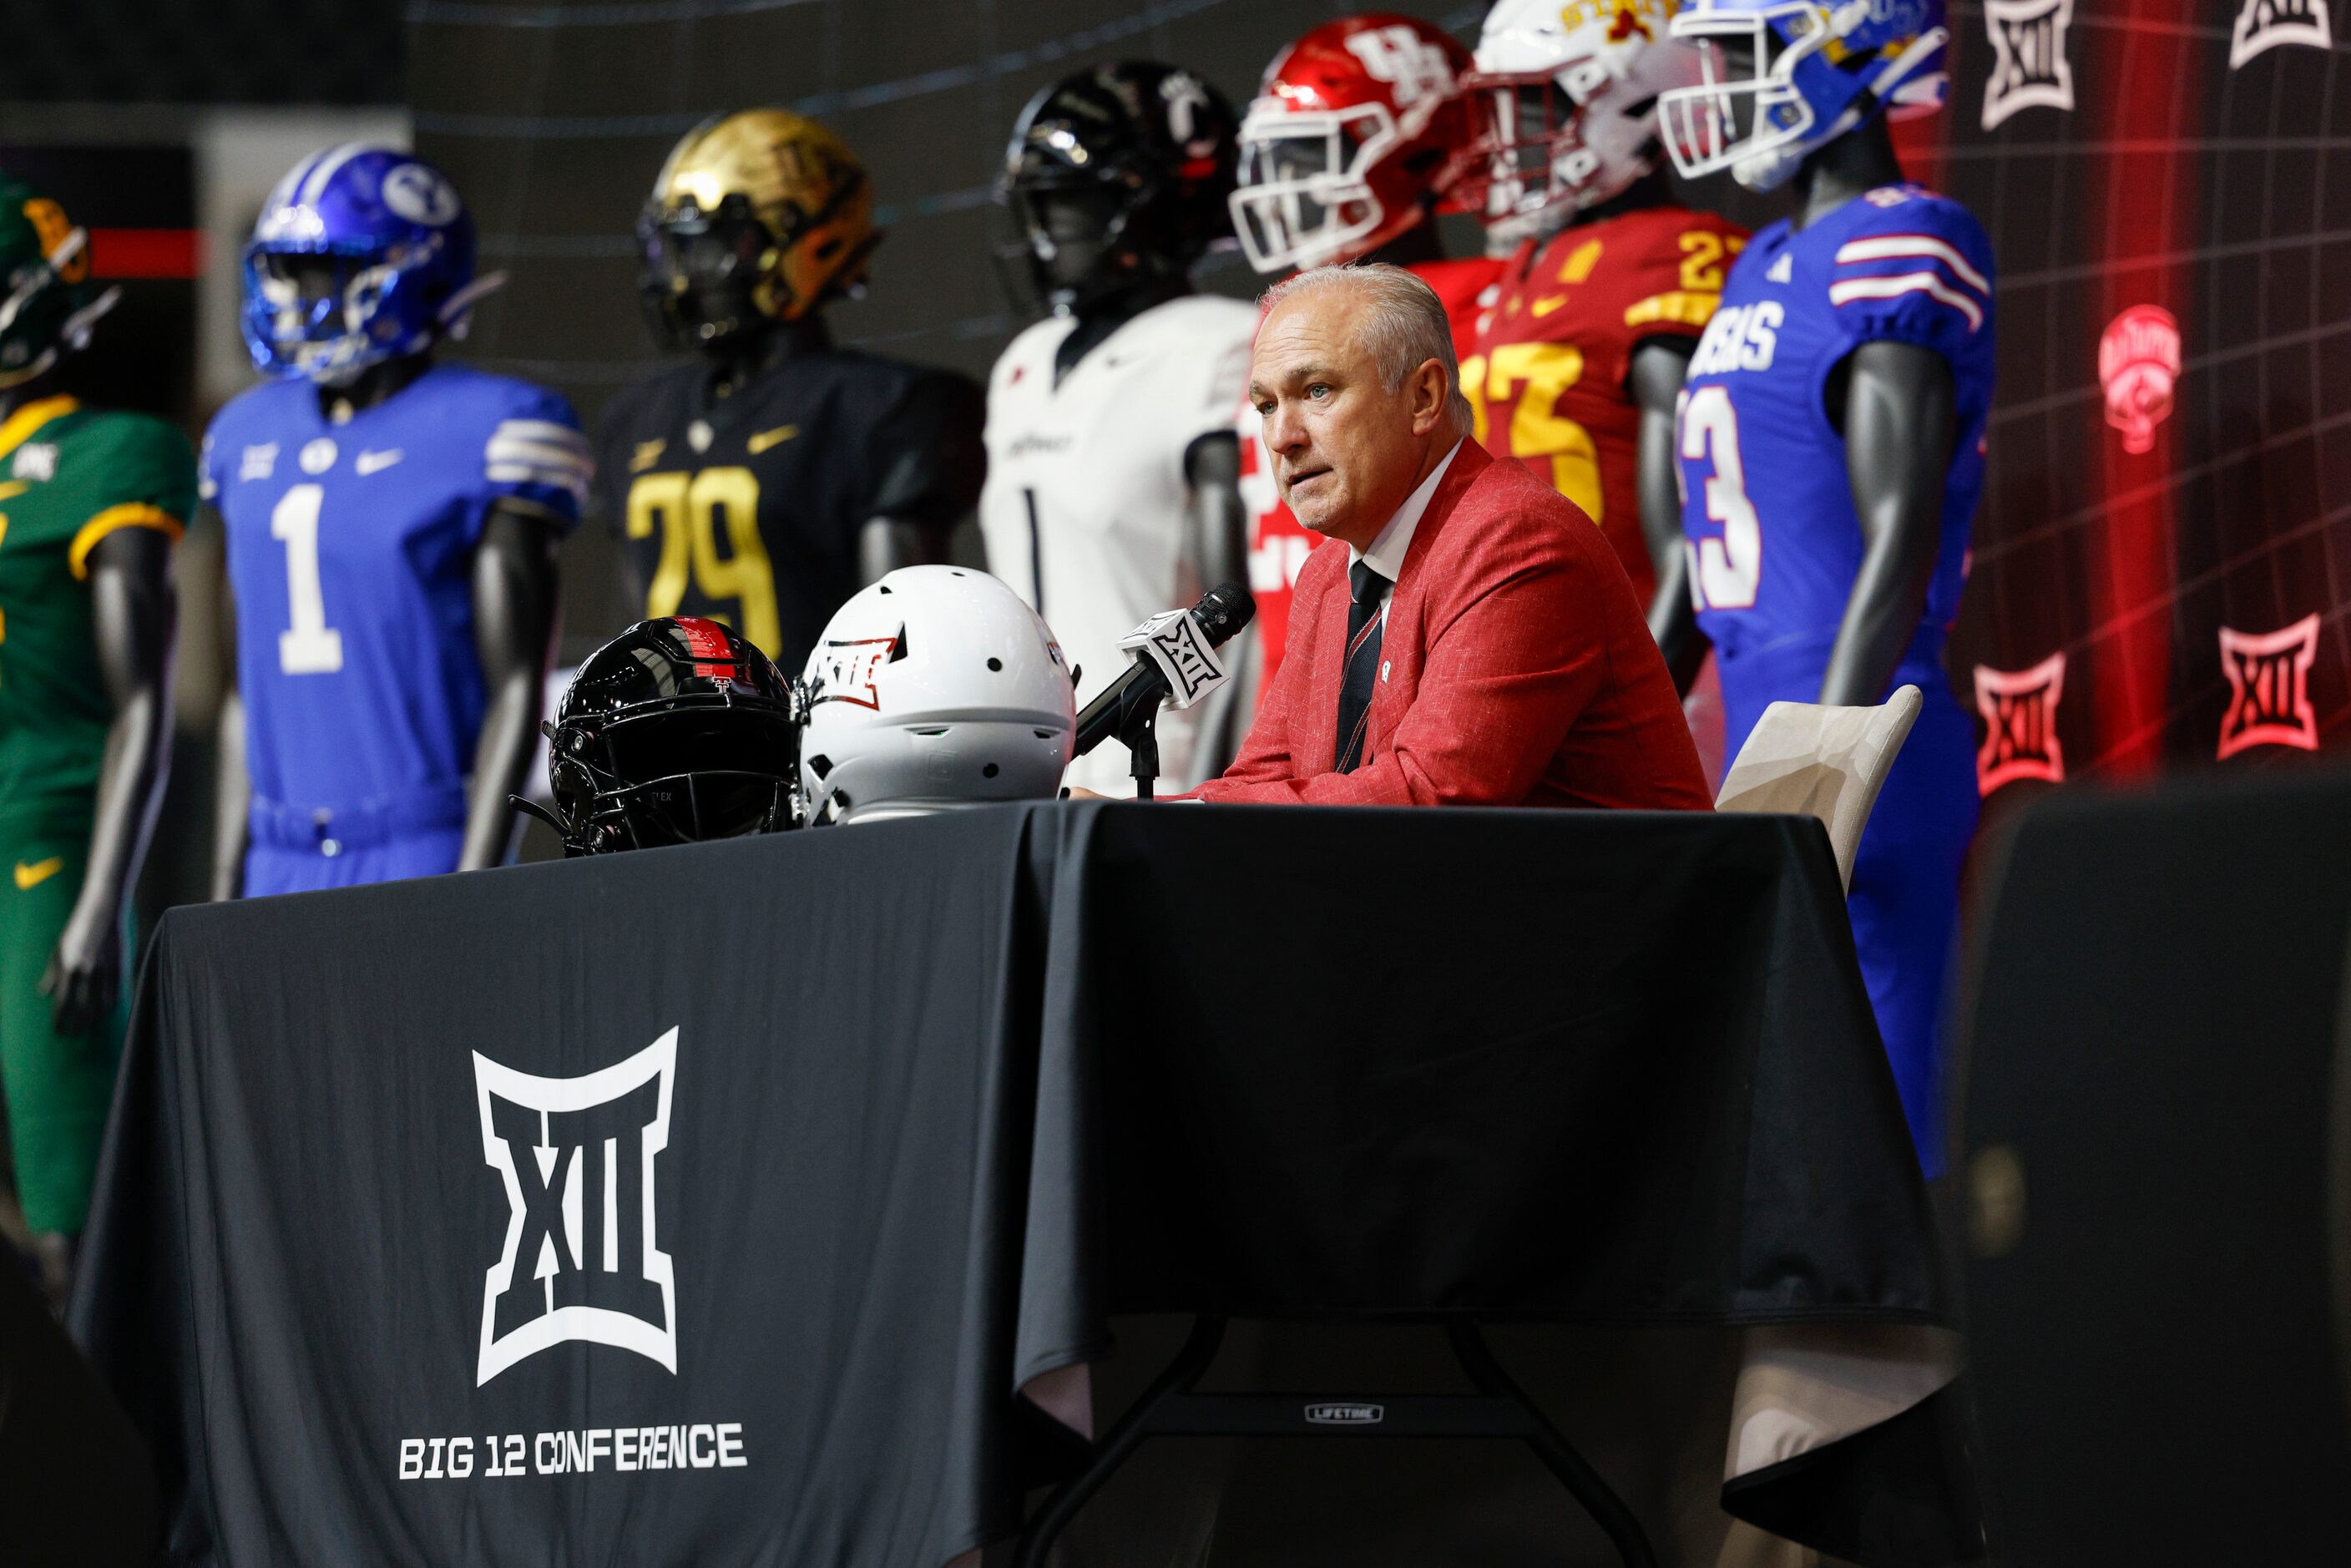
747, 507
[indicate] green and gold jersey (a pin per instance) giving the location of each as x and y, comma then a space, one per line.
69, 477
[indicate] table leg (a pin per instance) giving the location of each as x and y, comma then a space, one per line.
1599, 1499
1200, 1350
1501, 1408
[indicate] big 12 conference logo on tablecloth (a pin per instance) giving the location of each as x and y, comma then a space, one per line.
2138, 364
576, 1156
2268, 687
2029, 68
2020, 714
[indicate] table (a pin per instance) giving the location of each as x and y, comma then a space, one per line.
719, 1203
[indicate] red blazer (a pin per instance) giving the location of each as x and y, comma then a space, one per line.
1516, 670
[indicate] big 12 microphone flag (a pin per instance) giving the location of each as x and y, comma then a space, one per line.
587, 1240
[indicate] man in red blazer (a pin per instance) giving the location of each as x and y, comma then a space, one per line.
1477, 641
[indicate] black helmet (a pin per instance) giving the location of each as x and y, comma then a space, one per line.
675, 731
1117, 176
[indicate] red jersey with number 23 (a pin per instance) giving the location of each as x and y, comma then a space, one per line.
1551, 373
1278, 544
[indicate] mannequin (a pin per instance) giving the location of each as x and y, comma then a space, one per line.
1216, 525
135, 609
765, 481
132, 612
1894, 404
513, 596
391, 523
1113, 469
1831, 445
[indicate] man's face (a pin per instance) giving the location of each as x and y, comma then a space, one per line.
1346, 450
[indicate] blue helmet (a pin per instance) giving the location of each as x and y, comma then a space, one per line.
361, 254
1785, 76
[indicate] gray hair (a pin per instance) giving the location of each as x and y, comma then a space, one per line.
1404, 323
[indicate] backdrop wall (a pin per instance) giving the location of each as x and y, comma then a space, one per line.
2161, 562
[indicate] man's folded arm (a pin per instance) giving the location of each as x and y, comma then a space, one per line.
1501, 687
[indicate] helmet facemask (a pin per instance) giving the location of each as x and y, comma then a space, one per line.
1305, 196
1746, 113
709, 276
679, 773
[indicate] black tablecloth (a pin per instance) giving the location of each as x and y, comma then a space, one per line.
915, 1107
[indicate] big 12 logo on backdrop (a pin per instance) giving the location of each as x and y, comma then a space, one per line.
2029, 68
2020, 714
2268, 687
576, 1157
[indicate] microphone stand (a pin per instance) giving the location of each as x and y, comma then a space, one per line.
1139, 730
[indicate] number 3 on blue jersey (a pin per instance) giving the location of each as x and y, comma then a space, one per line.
1728, 568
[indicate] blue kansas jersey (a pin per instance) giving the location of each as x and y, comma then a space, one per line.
1774, 545
1769, 515
351, 551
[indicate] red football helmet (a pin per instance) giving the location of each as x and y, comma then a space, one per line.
1352, 139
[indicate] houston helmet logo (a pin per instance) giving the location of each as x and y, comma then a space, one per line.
2029, 68
576, 1156
2020, 714
2268, 687
2267, 24
2138, 365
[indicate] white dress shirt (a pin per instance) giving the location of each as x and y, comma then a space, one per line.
1395, 541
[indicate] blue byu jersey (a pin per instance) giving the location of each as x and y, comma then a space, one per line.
1767, 510
351, 551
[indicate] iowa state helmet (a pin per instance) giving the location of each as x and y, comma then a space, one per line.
1781, 78
757, 217
1118, 175
1566, 101
361, 254
45, 309
1354, 138
674, 732
933, 689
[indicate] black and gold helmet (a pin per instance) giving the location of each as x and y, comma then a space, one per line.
757, 217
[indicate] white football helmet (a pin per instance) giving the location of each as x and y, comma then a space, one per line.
1566, 104
933, 689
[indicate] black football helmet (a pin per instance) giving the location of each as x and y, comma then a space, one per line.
1119, 175
674, 732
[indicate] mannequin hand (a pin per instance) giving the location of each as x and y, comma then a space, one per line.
85, 975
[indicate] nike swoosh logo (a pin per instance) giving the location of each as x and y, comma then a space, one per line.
368, 462
32, 876
1548, 304
764, 439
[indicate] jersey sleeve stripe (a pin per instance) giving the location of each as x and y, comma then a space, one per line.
1908, 247
130, 515
1926, 283
539, 430
532, 474
1681, 306
504, 451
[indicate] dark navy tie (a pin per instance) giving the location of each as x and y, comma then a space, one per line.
1362, 667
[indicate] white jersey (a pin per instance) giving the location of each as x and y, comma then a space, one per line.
1085, 512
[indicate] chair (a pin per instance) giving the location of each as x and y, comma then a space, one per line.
1826, 762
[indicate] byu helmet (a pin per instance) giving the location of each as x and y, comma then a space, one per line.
360, 255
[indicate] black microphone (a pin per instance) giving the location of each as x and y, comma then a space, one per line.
1222, 611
